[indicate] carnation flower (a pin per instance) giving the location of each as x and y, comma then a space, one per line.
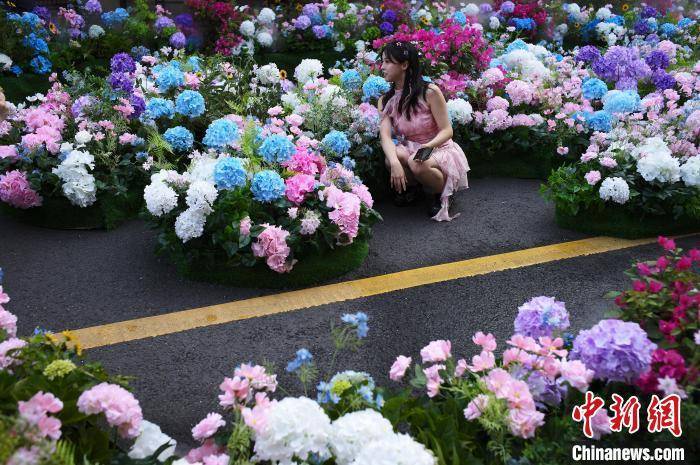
294, 428
207, 427
615, 350
615, 189
120, 407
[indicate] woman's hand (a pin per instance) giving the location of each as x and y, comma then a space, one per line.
398, 177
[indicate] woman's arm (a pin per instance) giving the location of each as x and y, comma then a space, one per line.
397, 178
438, 108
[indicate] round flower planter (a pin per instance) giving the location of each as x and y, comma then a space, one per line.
58, 213
311, 269
617, 222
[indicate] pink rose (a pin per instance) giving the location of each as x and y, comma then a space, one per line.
207, 427
592, 177
436, 351
398, 369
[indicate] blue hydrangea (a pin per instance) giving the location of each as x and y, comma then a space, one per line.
36, 43
221, 133
114, 18
601, 121
160, 108
685, 22
348, 163
616, 19
179, 138
267, 186
40, 64
541, 316
351, 79
277, 148
229, 173
374, 87
16, 70
618, 101
523, 24
337, 142
460, 18
170, 77
517, 44
303, 357
190, 103
194, 62
668, 29
325, 394
594, 89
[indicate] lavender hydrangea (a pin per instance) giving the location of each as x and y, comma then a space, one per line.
121, 81
615, 350
662, 80
541, 316
162, 22
178, 40
657, 60
122, 63
623, 66
588, 54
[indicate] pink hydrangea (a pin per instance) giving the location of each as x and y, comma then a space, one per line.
523, 120
305, 162
497, 103
476, 407
16, 191
497, 120
600, 423
363, 193
207, 427
120, 407
436, 351
47, 135
346, 210
8, 151
272, 244
398, 369
520, 92
244, 226
492, 76
36, 411
592, 177
608, 162
298, 186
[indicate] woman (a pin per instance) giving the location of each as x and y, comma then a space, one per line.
416, 113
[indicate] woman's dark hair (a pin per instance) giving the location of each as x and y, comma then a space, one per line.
414, 87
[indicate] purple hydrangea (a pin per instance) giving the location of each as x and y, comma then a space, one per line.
615, 350
122, 63
649, 12
184, 20
623, 66
389, 15
386, 27
42, 12
319, 31
508, 7
139, 105
178, 40
588, 54
162, 22
310, 9
545, 391
120, 81
657, 60
80, 103
541, 316
662, 80
93, 6
642, 27
485, 8
302, 22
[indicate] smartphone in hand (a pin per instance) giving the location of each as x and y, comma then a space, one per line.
423, 153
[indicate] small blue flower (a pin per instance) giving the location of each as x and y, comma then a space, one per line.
277, 148
170, 77
267, 186
303, 357
337, 142
366, 393
221, 133
229, 173
40, 64
190, 103
594, 89
351, 79
379, 401
374, 87
159, 108
179, 138
359, 321
141, 155
16, 70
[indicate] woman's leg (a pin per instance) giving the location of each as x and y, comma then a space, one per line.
429, 174
403, 155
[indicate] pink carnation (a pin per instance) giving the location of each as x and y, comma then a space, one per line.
436, 351
12, 344
8, 151
256, 417
398, 369
592, 177
208, 427
298, 186
524, 422
205, 450
600, 423
235, 390
576, 374
16, 191
484, 361
120, 407
8, 321
476, 407
486, 341
272, 244
433, 379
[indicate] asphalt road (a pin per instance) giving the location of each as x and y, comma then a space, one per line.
71, 279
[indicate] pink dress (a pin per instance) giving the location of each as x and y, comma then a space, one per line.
421, 129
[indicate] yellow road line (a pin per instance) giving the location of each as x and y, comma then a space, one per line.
141, 328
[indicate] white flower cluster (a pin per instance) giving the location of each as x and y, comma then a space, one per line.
95, 31
615, 189
395, 449
526, 64
247, 28
690, 171
610, 32
150, 439
655, 161
78, 184
5, 62
333, 95
268, 74
308, 69
295, 428
353, 431
266, 16
460, 111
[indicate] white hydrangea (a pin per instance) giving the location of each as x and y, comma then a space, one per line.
659, 166
460, 111
649, 146
539, 51
423, 13
150, 439
360, 45
291, 99
160, 198
82, 137
690, 171
202, 169
330, 92
247, 28
264, 38
95, 31
615, 189
494, 23
351, 432
78, 184
268, 74
190, 224
309, 68
526, 63
5, 61
266, 16
295, 427
201, 196
603, 14
395, 449
471, 10
339, 47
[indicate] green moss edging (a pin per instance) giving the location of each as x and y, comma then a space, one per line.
308, 271
58, 213
621, 223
